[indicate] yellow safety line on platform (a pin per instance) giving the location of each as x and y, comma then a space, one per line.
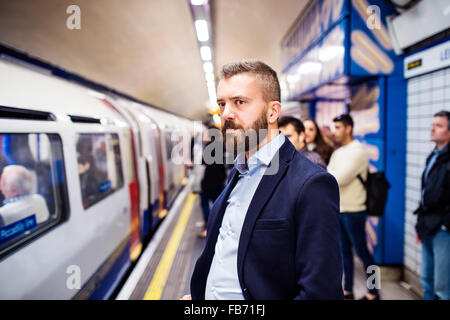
161, 274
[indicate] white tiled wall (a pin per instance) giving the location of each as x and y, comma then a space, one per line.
427, 95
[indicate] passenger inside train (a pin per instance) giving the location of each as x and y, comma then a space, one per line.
16, 186
97, 167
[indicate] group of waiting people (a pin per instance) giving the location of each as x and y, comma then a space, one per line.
345, 163
345, 158
349, 161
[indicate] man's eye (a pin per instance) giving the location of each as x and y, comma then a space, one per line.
240, 101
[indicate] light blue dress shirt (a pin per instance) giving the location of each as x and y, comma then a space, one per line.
223, 282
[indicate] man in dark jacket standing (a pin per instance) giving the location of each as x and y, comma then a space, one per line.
212, 183
433, 222
273, 233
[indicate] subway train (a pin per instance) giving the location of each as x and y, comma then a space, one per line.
86, 176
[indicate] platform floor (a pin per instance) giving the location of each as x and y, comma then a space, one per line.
164, 270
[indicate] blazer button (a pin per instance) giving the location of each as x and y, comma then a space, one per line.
245, 289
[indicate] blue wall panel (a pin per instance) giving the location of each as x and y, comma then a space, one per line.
395, 169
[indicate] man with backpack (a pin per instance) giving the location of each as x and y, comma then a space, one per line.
433, 221
346, 164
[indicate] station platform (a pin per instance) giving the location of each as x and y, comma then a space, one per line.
164, 270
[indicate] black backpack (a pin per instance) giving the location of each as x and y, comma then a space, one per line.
377, 188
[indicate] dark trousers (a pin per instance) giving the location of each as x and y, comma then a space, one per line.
209, 195
353, 236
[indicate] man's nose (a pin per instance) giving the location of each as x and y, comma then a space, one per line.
228, 113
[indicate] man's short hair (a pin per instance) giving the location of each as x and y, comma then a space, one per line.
345, 118
287, 120
17, 176
444, 113
264, 75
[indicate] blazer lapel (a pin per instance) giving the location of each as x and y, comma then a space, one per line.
216, 215
262, 194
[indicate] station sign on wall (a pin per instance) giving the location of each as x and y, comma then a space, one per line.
435, 58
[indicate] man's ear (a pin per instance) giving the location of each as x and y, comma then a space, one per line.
348, 130
273, 112
14, 191
302, 136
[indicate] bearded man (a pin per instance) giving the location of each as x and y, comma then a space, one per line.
273, 233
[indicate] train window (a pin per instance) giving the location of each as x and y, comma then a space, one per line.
169, 144
33, 188
99, 166
128, 155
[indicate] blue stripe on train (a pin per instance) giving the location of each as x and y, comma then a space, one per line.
155, 220
150, 221
145, 224
165, 199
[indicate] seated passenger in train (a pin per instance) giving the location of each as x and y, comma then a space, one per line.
16, 185
88, 180
93, 177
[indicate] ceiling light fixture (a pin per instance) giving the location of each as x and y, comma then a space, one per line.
216, 119
201, 17
209, 77
205, 53
199, 2
308, 68
208, 67
327, 53
201, 26
212, 90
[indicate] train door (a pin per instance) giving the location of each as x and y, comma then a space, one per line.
131, 142
133, 188
149, 169
127, 109
167, 142
162, 201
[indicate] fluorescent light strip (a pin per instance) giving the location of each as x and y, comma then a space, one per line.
208, 67
216, 119
212, 97
209, 77
199, 2
211, 87
201, 26
205, 53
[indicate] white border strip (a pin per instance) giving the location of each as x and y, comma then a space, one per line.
434, 58
140, 267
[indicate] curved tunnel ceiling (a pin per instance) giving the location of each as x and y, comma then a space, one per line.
147, 48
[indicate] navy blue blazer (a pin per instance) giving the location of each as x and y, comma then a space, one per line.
289, 243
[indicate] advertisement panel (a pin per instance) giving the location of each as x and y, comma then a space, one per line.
371, 50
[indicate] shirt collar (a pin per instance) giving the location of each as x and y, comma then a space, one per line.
442, 149
262, 157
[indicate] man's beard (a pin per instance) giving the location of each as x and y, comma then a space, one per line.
245, 140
